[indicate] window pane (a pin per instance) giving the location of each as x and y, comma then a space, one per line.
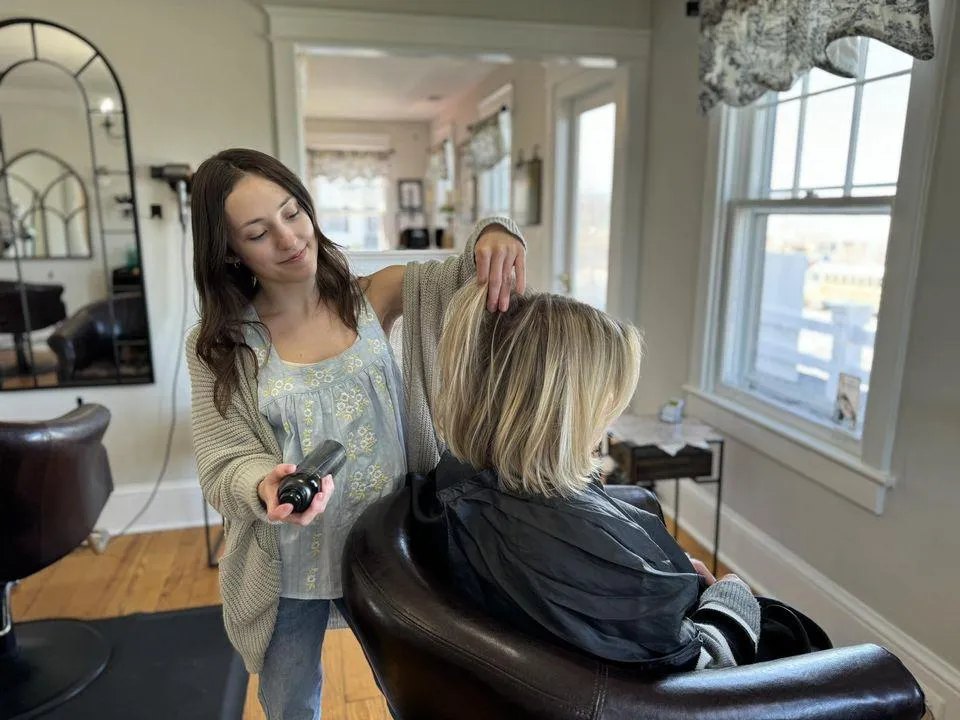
591, 242
826, 138
883, 59
883, 115
821, 80
351, 212
820, 293
793, 92
785, 145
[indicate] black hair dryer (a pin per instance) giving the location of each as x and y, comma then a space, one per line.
301, 486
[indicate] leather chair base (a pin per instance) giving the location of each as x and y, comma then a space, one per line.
55, 660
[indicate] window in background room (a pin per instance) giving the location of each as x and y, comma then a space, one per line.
494, 179
443, 173
351, 212
814, 179
586, 132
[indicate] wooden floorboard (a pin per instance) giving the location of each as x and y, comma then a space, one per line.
163, 571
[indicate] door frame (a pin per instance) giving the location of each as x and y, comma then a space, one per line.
570, 103
625, 50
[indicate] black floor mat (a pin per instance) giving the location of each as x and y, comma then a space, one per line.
164, 666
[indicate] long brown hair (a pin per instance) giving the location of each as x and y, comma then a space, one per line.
227, 290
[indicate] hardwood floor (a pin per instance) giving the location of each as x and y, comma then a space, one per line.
168, 571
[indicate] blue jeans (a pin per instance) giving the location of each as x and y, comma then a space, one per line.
291, 679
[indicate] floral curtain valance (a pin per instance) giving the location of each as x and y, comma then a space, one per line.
749, 47
349, 165
487, 147
437, 163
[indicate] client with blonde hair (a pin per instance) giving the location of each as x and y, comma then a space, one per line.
522, 398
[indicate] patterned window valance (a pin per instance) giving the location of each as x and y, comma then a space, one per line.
749, 47
487, 146
347, 165
437, 163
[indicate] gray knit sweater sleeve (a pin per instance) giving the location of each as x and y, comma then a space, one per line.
427, 289
728, 619
232, 452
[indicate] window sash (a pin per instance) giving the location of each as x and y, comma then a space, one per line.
760, 145
742, 297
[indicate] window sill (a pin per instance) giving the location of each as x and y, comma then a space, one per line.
815, 459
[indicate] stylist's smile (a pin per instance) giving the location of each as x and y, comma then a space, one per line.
298, 257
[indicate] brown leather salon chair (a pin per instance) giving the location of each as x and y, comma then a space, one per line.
435, 657
54, 481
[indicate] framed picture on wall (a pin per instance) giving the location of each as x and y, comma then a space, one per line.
410, 195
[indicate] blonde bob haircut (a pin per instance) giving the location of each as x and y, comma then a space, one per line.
530, 392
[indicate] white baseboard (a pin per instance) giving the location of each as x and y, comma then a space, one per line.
773, 570
178, 504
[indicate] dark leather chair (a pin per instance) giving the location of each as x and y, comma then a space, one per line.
84, 342
435, 657
54, 481
44, 307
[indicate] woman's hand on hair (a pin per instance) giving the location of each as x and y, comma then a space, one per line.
500, 264
278, 512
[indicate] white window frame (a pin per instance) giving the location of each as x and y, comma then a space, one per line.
498, 180
860, 471
572, 100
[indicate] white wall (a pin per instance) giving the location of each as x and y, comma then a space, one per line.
903, 563
529, 117
409, 142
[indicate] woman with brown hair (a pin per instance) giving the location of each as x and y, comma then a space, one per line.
292, 350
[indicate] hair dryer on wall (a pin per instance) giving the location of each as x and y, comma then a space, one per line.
179, 176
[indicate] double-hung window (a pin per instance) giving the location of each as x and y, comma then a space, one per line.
494, 183
812, 179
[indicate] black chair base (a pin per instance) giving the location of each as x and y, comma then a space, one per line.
53, 661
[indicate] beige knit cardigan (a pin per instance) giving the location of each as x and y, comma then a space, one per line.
235, 452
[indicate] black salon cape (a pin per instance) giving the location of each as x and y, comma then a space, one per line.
591, 571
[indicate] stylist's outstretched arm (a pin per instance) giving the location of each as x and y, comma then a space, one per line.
292, 350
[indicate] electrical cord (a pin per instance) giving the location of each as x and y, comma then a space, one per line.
176, 373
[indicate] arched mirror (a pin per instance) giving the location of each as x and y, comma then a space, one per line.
72, 297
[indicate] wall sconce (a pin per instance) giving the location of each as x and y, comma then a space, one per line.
107, 108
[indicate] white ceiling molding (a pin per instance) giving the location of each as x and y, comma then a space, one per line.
457, 36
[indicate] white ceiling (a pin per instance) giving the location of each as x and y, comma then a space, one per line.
388, 88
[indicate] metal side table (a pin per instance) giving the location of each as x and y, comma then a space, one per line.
648, 450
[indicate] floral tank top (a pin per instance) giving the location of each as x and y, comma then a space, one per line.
355, 398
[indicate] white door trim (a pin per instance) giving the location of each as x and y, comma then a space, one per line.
628, 50
572, 97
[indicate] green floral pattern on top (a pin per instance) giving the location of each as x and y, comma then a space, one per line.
357, 399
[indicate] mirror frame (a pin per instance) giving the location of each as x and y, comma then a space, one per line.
129, 172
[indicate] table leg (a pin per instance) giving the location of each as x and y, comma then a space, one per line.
676, 509
716, 519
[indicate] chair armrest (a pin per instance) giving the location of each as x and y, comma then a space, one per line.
864, 682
